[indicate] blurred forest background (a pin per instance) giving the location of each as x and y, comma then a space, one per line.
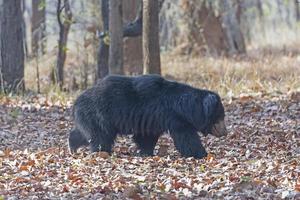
231, 46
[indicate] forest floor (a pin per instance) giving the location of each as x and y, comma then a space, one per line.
259, 159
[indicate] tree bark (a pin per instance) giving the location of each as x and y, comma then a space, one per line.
38, 27
297, 10
151, 49
12, 49
116, 37
260, 9
233, 32
133, 50
64, 28
103, 51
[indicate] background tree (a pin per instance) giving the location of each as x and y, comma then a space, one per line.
201, 32
297, 10
151, 49
12, 49
38, 26
233, 31
116, 37
103, 52
133, 51
64, 27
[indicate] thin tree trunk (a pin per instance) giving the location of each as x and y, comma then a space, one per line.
64, 28
116, 37
12, 49
297, 10
234, 34
151, 50
38, 26
133, 50
24, 31
103, 52
37, 68
260, 9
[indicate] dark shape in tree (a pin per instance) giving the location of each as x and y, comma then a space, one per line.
11, 47
151, 49
146, 107
135, 28
64, 27
132, 29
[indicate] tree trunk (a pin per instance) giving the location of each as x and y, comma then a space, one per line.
297, 10
38, 26
151, 50
64, 28
234, 35
103, 51
12, 49
133, 51
201, 32
116, 37
260, 8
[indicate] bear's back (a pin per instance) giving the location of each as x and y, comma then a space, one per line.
148, 85
138, 86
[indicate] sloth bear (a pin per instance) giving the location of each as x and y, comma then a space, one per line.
146, 106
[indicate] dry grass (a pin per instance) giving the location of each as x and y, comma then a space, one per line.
262, 71
258, 74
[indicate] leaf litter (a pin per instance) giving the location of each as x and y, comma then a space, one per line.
259, 159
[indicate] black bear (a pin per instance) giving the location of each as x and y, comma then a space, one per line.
146, 106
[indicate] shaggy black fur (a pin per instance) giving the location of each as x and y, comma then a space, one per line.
145, 106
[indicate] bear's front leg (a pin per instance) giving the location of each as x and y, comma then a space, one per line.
76, 140
187, 140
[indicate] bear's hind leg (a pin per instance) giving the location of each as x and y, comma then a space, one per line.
146, 143
187, 140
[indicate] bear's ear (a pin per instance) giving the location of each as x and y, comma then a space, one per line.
209, 105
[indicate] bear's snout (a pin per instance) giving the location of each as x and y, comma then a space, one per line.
219, 129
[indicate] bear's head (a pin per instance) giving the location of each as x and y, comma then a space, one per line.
214, 115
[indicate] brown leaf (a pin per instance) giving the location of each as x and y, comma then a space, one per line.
297, 187
169, 197
23, 168
103, 154
234, 179
245, 97
295, 96
65, 189
132, 192
163, 150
